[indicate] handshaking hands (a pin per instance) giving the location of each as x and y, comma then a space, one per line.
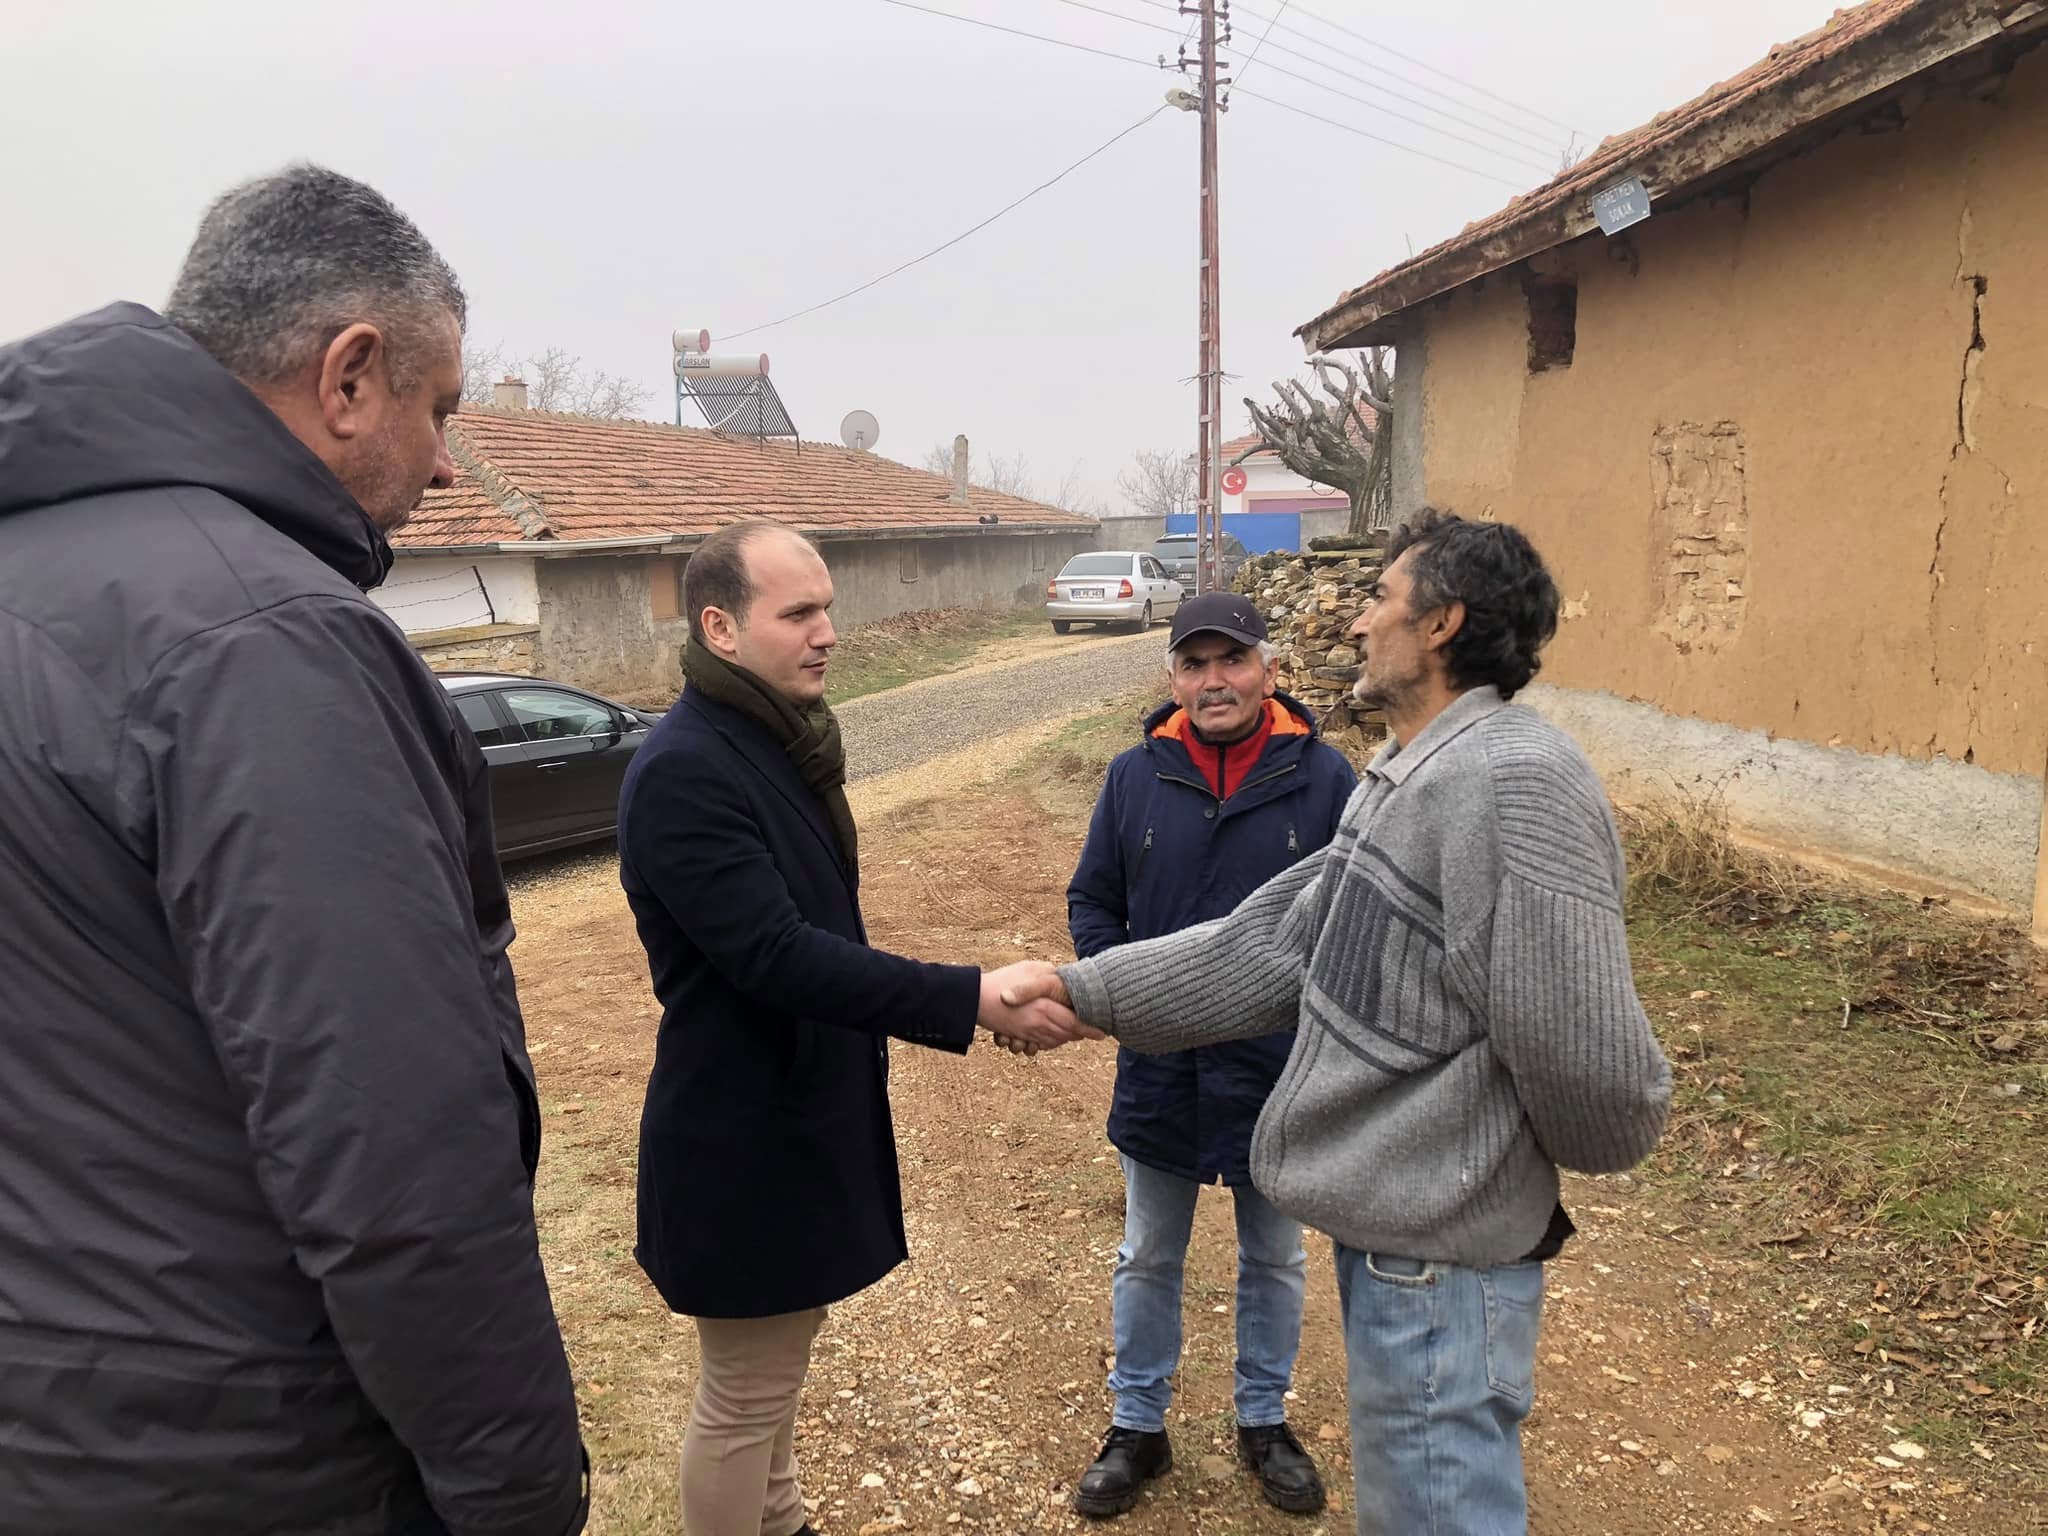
1026, 1008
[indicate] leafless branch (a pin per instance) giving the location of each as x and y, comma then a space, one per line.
1159, 483
1343, 437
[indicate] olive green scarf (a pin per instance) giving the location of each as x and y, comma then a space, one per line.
809, 735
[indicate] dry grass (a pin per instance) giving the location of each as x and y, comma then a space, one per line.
1859, 1098
915, 645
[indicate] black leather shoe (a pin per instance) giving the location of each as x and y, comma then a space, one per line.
1287, 1474
1130, 1458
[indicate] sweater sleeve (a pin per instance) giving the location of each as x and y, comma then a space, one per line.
1232, 978
1562, 1005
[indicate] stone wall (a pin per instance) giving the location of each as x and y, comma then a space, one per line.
1309, 600
511, 648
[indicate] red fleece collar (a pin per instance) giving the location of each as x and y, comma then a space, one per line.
1280, 721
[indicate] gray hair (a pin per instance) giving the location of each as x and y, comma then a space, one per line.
283, 264
1267, 652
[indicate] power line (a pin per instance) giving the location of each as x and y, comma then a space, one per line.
1324, 44
1414, 101
1443, 74
1519, 153
1393, 144
1288, 106
1243, 68
948, 245
1036, 37
1136, 21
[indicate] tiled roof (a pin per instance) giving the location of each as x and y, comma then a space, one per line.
539, 475
1858, 53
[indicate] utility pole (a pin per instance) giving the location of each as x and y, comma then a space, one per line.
1215, 24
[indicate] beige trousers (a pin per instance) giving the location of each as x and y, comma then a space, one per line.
739, 1453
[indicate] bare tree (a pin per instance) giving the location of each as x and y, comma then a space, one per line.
551, 379
555, 381
1344, 439
1009, 477
482, 367
611, 395
1159, 482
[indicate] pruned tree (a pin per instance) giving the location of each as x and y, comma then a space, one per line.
1344, 438
555, 381
1159, 482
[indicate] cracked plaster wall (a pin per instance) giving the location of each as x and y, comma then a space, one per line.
1869, 319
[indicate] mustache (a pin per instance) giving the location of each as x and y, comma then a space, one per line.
1216, 696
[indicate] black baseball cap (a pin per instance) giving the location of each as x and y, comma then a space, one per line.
1229, 614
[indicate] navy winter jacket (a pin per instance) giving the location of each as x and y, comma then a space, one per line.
768, 1179
1163, 853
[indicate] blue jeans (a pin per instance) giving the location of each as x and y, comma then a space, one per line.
1441, 1363
1145, 1298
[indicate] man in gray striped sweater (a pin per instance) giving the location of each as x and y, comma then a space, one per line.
1458, 969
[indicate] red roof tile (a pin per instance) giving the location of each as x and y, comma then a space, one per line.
539, 475
1859, 52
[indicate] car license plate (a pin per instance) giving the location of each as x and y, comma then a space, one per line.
1087, 592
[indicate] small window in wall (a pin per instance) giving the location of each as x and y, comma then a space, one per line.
906, 569
1553, 321
665, 587
1038, 555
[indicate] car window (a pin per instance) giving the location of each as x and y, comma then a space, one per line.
547, 715
1173, 549
478, 715
1097, 565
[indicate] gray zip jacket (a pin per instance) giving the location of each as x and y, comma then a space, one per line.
267, 1248
1458, 968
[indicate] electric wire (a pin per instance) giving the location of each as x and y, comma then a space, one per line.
1051, 181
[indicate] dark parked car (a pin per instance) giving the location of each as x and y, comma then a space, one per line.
557, 755
1176, 552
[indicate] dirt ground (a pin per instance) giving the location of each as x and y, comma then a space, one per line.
1690, 1380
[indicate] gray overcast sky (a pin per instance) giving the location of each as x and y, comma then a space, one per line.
603, 171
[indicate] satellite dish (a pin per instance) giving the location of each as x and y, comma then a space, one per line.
859, 430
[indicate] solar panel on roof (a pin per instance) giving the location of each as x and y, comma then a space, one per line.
744, 404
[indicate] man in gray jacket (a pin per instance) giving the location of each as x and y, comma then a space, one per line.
1458, 968
267, 1124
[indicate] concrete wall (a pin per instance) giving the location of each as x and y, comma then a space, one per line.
428, 592
1793, 482
1324, 524
876, 578
598, 614
1129, 532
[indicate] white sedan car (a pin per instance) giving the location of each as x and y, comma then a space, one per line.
1110, 586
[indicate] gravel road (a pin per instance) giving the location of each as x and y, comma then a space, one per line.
888, 732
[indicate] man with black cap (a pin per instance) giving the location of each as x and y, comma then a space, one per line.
1229, 786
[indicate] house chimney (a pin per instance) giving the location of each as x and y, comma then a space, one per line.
509, 394
960, 470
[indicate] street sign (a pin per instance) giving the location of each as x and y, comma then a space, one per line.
1623, 204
